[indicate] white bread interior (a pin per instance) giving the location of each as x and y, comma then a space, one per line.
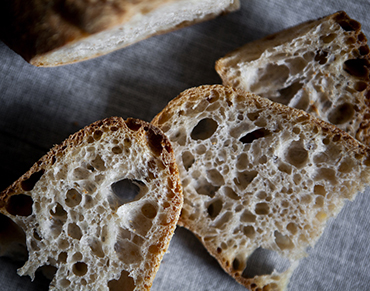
98, 210
259, 177
319, 66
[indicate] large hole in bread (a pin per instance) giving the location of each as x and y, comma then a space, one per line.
28, 184
204, 129
124, 283
263, 262
20, 204
341, 114
126, 191
254, 135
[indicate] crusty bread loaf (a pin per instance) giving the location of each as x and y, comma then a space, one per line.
259, 178
55, 33
319, 66
100, 208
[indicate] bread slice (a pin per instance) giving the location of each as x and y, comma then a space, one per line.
319, 66
63, 32
100, 208
259, 178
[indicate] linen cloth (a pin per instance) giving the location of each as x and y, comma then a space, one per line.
40, 107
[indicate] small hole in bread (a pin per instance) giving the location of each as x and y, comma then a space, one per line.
81, 173
229, 192
296, 154
328, 38
287, 93
214, 208
360, 86
58, 212
262, 208
249, 231
96, 247
20, 204
254, 135
243, 179
149, 210
206, 188
97, 134
357, 67
283, 241
117, 150
204, 129
247, 216
321, 57
127, 252
98, 163
79, 269
263, 262
74, 231
341, 114
124, 283
187, 159
62, 257
28, 184
73, 198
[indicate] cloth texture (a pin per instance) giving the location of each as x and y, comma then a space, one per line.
40, 107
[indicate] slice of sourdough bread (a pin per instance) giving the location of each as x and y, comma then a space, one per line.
259, 178
55, 33
319, 66
100, 208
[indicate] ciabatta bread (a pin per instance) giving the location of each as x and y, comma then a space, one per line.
259, 178
55, 33
100, 208
319, 66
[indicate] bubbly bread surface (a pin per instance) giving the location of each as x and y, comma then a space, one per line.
55, 33
319, 66
259, 178
99, 210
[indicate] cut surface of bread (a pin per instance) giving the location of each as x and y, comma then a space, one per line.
319, 66
99, 210
260, 179
51, 33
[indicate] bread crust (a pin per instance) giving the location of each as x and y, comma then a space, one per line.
146, 134
42, 27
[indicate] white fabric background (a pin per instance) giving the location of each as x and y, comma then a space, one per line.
40, 107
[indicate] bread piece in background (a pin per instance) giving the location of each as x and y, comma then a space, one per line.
51, 33
260, 179
99, 210
319, 66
